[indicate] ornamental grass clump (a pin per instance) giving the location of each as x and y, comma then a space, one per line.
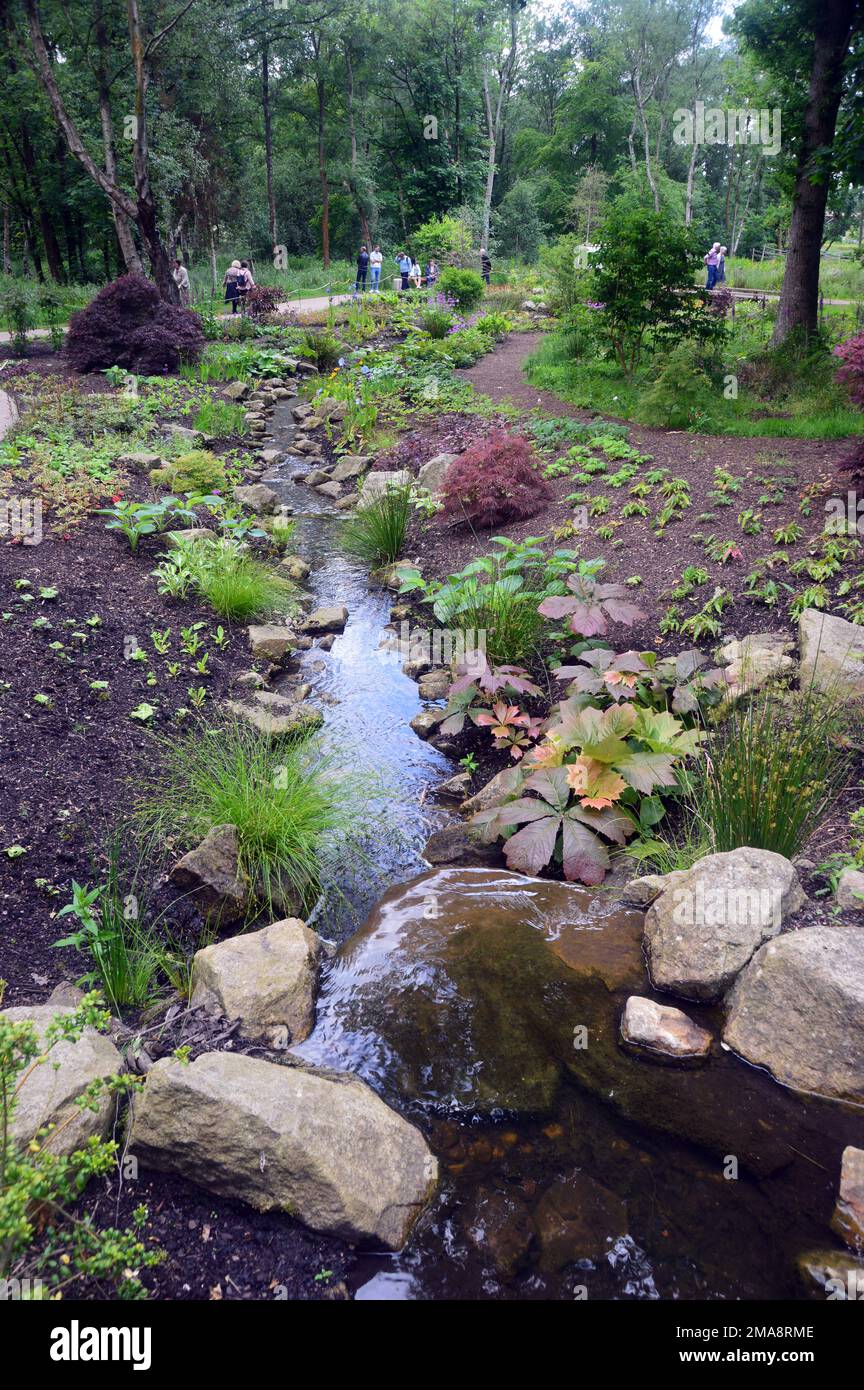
770, 771
291, 804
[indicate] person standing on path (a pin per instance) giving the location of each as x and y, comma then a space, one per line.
404, 262
485, 264
721, 266
376, 260
230, 284
362, 269
181, 280
711, 262
245, 283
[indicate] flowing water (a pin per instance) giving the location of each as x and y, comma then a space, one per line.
569, 1168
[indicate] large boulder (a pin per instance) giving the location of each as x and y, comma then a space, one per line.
832, 654
351, 466
798, 1009
375, 485
702, 931
271, 642
754, 660
280, 720
257, 497
47, 1096
210, 875
321, 1146
329, 619
431, 474
267, 978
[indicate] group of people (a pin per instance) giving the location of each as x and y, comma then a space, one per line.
237, 284
716, 263
412, 277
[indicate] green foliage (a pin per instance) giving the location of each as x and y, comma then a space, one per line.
642, 275
682, 393
773, 767
18, 314
517, 226
221, 418
197, 471
291, 804
233, 582
322, 348
376, 533
465, 286
41, 1237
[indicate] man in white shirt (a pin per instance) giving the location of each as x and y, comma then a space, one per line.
376, 260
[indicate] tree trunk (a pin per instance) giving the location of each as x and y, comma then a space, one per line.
493, 125
122, 224
7, 259
322, 174
799, 296
268, 141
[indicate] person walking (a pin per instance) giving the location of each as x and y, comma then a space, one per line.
245, 283
485, 264
711, 262
721, 266
362, 269
376, 260
181, 280
404, 262
232, 293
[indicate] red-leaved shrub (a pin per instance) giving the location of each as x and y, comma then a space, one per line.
851, 374
129, 325
494, 482
264, 300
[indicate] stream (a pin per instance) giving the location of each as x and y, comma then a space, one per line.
460, 996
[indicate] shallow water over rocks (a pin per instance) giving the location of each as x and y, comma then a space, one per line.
486, 1007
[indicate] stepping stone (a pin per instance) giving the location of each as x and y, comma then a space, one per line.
332, 619
271, 642
663, 1034
258, 497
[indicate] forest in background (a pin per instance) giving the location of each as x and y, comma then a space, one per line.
284, 129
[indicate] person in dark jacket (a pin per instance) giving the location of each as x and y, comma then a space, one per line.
362, 268
485, 264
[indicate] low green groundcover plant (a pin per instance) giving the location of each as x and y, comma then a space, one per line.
45, 1244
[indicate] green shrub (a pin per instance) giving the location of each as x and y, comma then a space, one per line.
681, 394
197, 471
290, 803
322, 348
377, 533
465, 286
18, 314
41, 1239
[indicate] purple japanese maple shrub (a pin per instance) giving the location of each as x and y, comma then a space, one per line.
128, 324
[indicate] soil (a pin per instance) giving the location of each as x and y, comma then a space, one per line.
70, 768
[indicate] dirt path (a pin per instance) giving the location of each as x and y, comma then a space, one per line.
501, 376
